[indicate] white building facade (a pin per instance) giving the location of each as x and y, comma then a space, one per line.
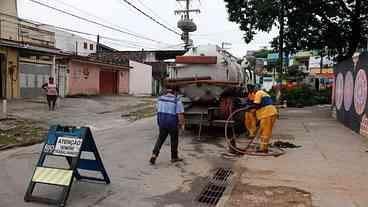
72, 43
140, 79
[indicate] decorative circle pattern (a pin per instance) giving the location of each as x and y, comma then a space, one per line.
360, 92
364, 126
333, 92
339, 92
348, 90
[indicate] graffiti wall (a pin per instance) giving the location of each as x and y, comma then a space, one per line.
350, 93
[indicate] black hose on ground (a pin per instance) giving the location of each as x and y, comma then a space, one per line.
246, 151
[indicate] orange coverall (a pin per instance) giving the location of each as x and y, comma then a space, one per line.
267, 116
250, 119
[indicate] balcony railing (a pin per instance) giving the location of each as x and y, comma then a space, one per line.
25, 32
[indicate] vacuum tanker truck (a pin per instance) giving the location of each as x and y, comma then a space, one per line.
209, 80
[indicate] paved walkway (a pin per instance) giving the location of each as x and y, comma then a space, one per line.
332, 164
100, 112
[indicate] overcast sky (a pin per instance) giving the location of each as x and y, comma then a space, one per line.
212, 22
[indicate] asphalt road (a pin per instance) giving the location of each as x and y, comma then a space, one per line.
125, 150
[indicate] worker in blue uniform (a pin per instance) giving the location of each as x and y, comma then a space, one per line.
170, 117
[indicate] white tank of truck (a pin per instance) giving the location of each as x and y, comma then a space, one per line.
205, 76
206, 70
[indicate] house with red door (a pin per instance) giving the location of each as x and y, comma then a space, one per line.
90, 76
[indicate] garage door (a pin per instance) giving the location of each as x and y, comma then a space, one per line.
32, 77
108, 82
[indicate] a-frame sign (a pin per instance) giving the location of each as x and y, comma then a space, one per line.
68, 142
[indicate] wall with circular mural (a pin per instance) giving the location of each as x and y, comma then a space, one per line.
339, 90
351, 93
360, 92
348, 90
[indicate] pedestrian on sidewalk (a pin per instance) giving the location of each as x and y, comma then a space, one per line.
52, 92
170, 117
266, 113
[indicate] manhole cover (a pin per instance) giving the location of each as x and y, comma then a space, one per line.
215, 188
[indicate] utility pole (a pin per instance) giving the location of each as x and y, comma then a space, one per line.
224, 44
186, 24
98, 45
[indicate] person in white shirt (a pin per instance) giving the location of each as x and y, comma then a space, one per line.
52, 92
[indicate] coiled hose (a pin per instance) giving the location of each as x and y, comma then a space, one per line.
246, 151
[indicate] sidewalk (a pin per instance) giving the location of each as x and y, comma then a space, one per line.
332, 166
100, 112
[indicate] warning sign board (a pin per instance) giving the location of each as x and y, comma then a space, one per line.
68, 146
68, 142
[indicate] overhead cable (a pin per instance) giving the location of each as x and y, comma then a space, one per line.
95, 16
150, 17
94, 22
153, 12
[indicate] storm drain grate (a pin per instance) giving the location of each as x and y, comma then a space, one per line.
215, 188
222, 174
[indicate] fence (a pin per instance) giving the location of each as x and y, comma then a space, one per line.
350, 93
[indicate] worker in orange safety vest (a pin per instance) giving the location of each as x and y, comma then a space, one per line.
250, 119
266, 113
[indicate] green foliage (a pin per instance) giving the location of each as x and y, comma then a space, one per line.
294, 74
305, 96
263, 53
339, 25
253, 15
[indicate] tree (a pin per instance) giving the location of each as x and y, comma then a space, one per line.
341, 26
260, 15
263, 53
338, 25
295, 73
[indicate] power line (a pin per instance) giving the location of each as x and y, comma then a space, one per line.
94, 22
102, 36
154, 13
137, 44
122, 44
128, 43
131, 44
216, 33
97, 17
150, 17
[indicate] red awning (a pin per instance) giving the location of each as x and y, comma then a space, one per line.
196, 59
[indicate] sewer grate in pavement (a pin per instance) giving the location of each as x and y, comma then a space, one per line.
222, 174
215, 188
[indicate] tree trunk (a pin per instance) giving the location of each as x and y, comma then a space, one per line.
356, 32
281, 37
